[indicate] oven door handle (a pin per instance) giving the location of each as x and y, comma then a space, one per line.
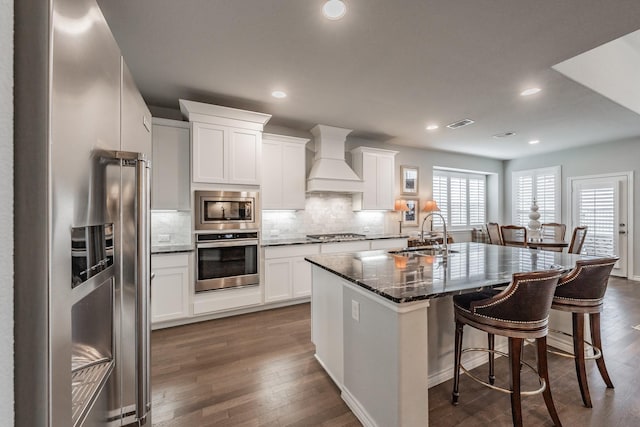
243, 242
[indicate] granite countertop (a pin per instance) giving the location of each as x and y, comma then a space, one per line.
303, 240
168, 249
413, 276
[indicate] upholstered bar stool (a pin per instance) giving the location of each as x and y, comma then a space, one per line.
582, 292
519, 312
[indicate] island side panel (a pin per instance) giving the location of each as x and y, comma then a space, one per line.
326, 322
385, 359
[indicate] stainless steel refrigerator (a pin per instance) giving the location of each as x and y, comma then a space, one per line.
82, 141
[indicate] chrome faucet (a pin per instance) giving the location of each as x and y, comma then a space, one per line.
444, 227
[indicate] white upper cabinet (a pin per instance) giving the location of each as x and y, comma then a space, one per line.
209, 151
283, 172
226, 143
170, 165
376, 169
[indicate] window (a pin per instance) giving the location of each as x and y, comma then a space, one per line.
597, 210
541, 184
461, 198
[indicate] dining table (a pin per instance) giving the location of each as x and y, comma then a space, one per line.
549, 244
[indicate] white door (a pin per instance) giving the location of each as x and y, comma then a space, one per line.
601, 204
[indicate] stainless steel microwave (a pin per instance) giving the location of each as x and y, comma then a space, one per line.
227, 210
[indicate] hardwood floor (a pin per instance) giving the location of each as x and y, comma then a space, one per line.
259, 370
251, 370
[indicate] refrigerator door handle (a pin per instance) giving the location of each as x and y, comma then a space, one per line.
143, 279
143, 331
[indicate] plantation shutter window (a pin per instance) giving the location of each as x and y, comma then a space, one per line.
461, 198
598, 213
541, 184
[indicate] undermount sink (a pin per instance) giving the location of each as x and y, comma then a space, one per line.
423, 251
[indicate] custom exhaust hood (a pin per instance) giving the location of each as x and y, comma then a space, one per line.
330, 172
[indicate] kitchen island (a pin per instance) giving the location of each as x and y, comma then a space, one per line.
370, 315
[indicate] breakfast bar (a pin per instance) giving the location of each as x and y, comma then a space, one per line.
382, 321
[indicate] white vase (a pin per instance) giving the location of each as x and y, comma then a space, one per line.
534, 225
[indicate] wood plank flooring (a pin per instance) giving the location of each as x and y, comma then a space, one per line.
251, 370
259, 370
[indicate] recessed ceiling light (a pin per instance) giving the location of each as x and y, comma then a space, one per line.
334, 9
432, 127
534, 141
530, 91
279, 94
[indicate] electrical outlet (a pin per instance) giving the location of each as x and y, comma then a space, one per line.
274, 232
355, 310
164, 238
365, 229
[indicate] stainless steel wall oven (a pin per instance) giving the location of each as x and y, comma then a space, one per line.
226, 260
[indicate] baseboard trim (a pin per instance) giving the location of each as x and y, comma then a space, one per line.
472, 362
561, 342
234, 312
328, 372
635, 278
357, 409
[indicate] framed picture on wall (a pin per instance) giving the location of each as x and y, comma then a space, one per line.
409, 180
410, 217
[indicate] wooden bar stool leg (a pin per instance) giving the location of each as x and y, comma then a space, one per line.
515, 351
594, 323
492, 345
578, 351
543, 371
456, 370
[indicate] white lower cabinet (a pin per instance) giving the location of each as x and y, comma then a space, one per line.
302, 277
286, 274
286, 277
213, 302
352, 246
389, 244
169, 287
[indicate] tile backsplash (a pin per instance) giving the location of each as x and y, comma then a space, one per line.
323, 213
170, 228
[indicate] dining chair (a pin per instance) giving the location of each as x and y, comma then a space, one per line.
514, 235
577, 239
495, 237
553, 231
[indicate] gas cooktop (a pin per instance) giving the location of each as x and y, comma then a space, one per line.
335, 237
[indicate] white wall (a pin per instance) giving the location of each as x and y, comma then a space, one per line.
425, 160
6, 212
620, 156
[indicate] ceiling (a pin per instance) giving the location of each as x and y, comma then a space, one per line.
388, 68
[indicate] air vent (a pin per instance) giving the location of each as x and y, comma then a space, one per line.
504, 135
460, 123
